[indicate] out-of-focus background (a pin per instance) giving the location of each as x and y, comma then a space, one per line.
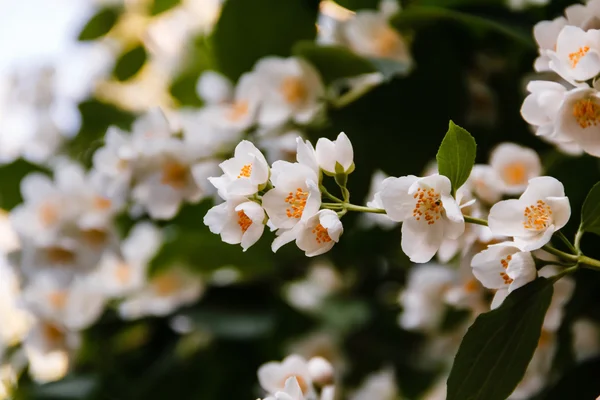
71, 69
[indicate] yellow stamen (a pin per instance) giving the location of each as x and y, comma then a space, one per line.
174, 174
294, 90
246, 171
515, 173
321, 234
576, 56
297, 203
243, 221
586, 112
537, 216
428, 205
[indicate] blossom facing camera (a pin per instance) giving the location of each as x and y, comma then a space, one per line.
577, 56
578, 119
243, 174
335, 157
515, 166
532, 219
428, 211
503, 267
238, 221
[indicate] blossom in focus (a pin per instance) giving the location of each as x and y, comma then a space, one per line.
428, 211
503, 267
335, 156
515, 166
315, 236
578, 119
237, 220
273, 376
532, 219
545, 34
577, 55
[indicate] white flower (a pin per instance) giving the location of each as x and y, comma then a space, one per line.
546, 33
307, 155
532, 219
244, 174
115, 160
315, 236
541, 106
309, 293
422, 300
586, 16
279, 146
291, 89
578, 119
521, 4
586, 339
484, 182
214, 88
321, 371
291, 391
273, 376
118, 275
428, 211
163, 294
563, 291
380, 385
337, 156
370, 34
577, 56
503, 267
369, 220
16, 321
295, 195
515, 166
238, 221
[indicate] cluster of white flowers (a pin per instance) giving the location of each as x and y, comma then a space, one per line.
565, 111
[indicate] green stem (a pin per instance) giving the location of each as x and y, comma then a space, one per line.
590, 263
329, 195
566, 241
333, 206
352, 96
559, 253
477, 221
352, 207
564, 272
577, 243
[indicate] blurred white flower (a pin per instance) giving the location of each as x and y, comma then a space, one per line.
237, 220
315, 236
16, 321
563, 291
291, 391
308, 294
369, 220
428, 211
379, 385
521, 4
321, 371
532, 219
335, 156
586, 339
214, 88
273, 376
537, 373
515, 166
279, 146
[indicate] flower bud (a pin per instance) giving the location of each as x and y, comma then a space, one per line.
321, 371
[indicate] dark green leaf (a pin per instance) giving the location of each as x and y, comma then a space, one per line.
456, 155
250, 30
159, 6
333, 62
100, 24
130, 63
358, 4
497, 348
11, 176
231, 324
590, 213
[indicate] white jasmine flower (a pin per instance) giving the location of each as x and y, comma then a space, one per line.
115, 160
295, 195
586, 339
546, 33
291, 391
428, 211
578, 119
291, 90
307, 155
369, 220
118, 275
484, 183
238, 221
163, 294
280, 146
321, 371
380, 385
563, 291
308, 294
515, 166
214, 88
503, 267
521, 4
244, 174
337, 156
422, 300
532, 219
577, 56
586, 16
541, 107
315, 236
370, 34
273, 376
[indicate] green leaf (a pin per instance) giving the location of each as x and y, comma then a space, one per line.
130, 63
333, 62
100, 24
456, 155
590, 212
11, 176
250, 30
358, 4
497, 348
159, 6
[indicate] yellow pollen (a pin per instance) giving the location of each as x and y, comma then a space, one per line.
166, 284
174, 174
243, 221
293, 90
386, 42
586, 112
101, 203
238, 110
507, 279
576, 56
321, 234
245, 171
57, 299
428, 206
515, 173
94, 237
297, 203
59, 255
52, 333
537, 216
48, 214
471, 286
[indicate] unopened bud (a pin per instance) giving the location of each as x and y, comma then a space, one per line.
321, 371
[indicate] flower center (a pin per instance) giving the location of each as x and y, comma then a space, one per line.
321, 234
57, 299
174, 174
293, 90
515, 174
59, 255
428, 205
101, 203
238, 110
123, 273
48, 214
297, 202
243, 221
471, 286
586, 112
386, 42
166, 284
52, 333
94, 237
576, 56
245, 171
537, 216
507, 279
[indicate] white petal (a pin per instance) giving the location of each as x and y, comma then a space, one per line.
325, 152
452, 209
440, 183
420, 241
345, 152
506, 218
487, 265
530, 243
522, 269
561, 210
396, 201
542, 187
284, 237
499, 297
